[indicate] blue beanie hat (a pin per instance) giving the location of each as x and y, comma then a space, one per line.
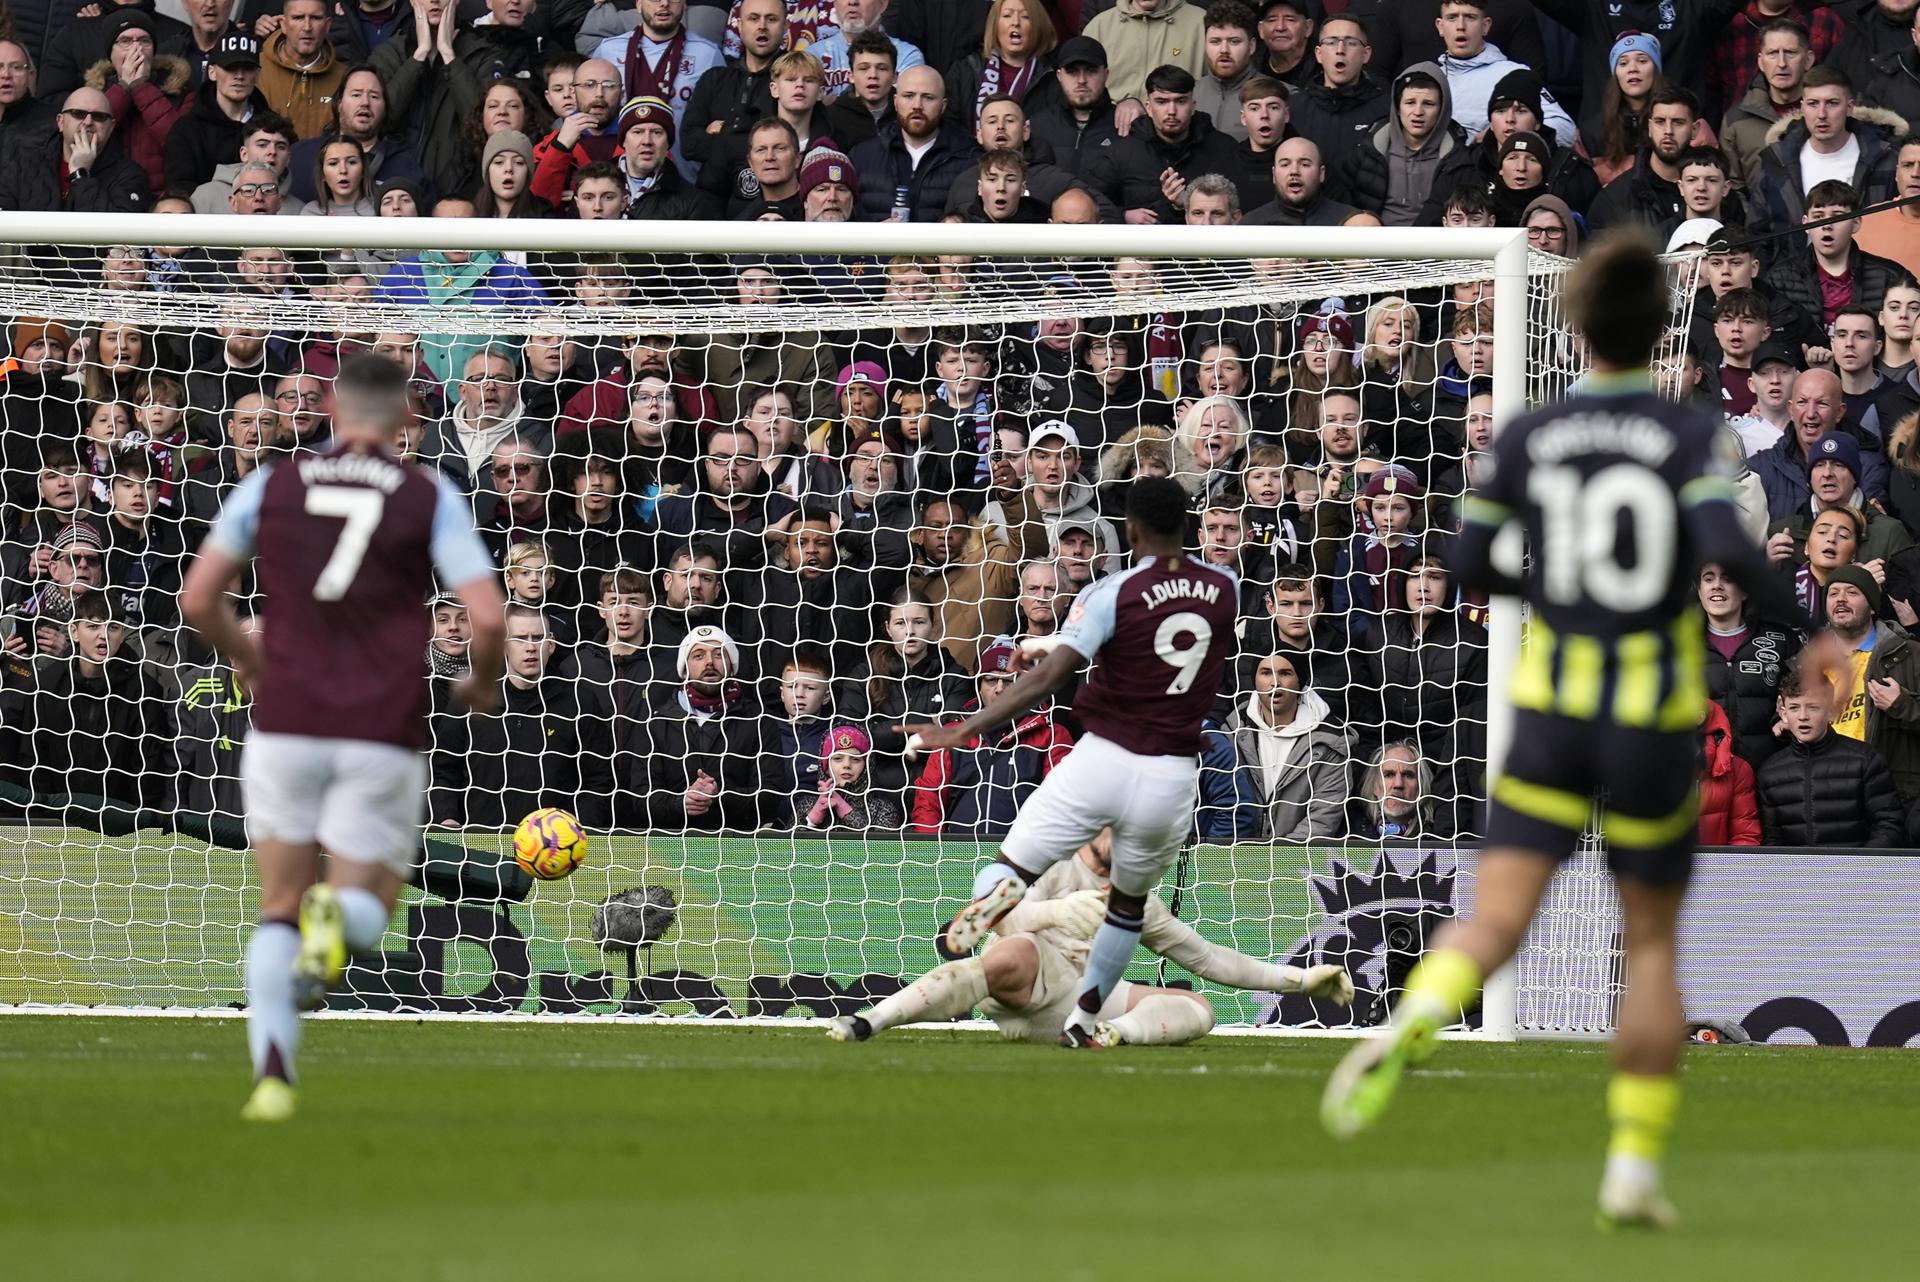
1839, 448
1635, 42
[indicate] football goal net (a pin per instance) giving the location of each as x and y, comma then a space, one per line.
874, 458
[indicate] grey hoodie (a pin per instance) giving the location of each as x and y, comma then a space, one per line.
1411, 170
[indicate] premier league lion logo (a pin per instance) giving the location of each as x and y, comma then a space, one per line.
1377, 924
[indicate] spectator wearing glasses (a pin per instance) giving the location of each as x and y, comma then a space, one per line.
22, 115
80, 45
146, 90
1551, 227
485, 412
1335, 108
78, 168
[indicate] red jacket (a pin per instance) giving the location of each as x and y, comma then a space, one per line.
143, 117
554, 165
954, 792
1729, 810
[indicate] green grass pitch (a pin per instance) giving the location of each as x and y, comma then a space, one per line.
470, 1152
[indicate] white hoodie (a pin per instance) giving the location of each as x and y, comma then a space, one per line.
1471, 82
1284, 749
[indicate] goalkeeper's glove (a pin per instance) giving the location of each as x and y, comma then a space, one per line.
1330, 982
1079, 914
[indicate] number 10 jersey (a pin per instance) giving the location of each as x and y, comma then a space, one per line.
346, 543
1159, 635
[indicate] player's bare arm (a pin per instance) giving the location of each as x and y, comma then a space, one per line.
203, 599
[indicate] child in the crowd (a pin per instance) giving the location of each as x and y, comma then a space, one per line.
1269, 514
452, 630
160, 415
1392, 519
805, 693
530, 577
103, 426
845, 799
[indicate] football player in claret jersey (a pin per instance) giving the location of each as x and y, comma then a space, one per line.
346, 543
1158, 635
1620, 497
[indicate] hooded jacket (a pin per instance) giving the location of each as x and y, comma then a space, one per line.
1472, 82
1390, 177
1779, 197
203, 139
303, 94
1136, 43
1558, 207
1293, 776
1729, 811
145, 115
79, 44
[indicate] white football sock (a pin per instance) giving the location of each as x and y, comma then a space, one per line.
363, 918
945, 992
1164, 1019
273, 1025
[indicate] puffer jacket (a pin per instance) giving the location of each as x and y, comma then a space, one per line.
1307, 801
883, 165
1128, 173
1795, 277
1471, 82
1729, 811
1337, 119
1834, 791
976, 789
1782, 469
1779, 199
1367, 166
1745, 689
1896, 83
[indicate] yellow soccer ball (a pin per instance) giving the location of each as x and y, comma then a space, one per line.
549, 844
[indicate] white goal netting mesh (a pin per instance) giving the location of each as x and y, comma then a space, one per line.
874, 473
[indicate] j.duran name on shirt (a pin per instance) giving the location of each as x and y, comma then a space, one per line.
1160, 593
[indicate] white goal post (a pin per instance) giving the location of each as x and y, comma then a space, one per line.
111, 911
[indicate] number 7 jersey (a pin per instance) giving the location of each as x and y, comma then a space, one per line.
1159, 635
346, 544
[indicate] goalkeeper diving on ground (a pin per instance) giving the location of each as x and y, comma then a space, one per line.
1027, 979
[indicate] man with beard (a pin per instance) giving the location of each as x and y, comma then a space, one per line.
485, 413
657, 55
1081, 124
811, 597
1147, 172
827, 185
1649, 193
907, 171
1232, 36
590, 133
1300, 199
706, 742
733, 504
1002, 125
359, 115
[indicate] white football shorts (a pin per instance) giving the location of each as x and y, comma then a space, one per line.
363, 802
1149, 801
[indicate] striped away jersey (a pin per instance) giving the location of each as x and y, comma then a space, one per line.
1622, 497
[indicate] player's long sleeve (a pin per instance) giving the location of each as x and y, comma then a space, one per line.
1178, 942
1713, 519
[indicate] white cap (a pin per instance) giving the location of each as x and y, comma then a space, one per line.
1054, 427
1694, 231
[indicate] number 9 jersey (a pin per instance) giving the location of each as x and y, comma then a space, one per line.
346, 544
1159, 635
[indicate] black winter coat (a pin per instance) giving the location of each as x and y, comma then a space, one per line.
734, 749
731, 95
1835, 791
74, 48
674, 198
616, 697
1570, 176
204, 139
1338, 120
109, 735
1366, 170
1074, 143
1435, 690
883, 165
1128, 173
30, 179
934, 689
1746, 689
1637, 196
490, 770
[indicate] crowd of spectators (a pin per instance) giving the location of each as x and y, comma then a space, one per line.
737, 561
